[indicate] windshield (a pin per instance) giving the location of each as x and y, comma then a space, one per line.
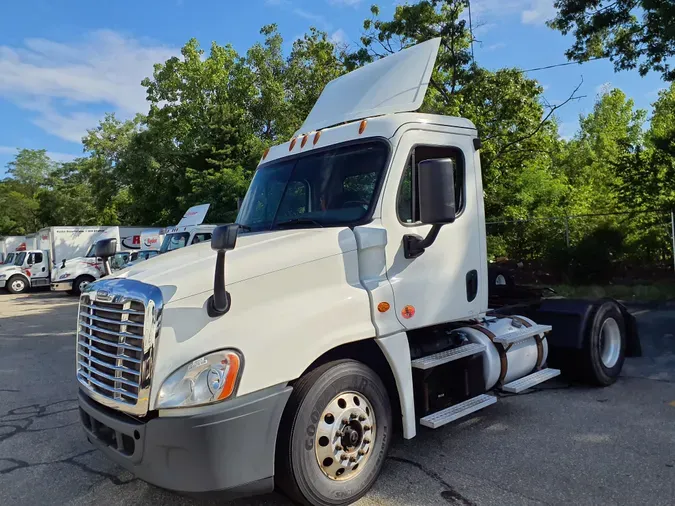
91, 251
174, 241
20, 257
335, 187
9, 260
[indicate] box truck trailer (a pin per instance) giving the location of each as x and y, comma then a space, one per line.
9, 245
350, 300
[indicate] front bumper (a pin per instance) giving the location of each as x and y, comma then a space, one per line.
62, 286
3, 282
226, 448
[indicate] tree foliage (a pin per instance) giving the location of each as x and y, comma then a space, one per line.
631, 33
213, 112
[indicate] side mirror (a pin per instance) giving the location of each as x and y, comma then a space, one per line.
437, 203
224, 239
105, 248
437, 191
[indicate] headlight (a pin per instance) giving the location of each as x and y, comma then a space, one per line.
3, 276
207, 379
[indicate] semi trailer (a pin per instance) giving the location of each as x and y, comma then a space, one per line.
350, 301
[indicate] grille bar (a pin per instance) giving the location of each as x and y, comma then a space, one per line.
101, 352
110, 343
112, 310
104, 364
111, 332
107, 320
116, 379
100, 384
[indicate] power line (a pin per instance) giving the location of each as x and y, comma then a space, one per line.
564, 64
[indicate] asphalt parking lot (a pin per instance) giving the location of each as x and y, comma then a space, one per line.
561, 444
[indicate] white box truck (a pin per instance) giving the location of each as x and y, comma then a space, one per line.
356, 304
9, 245
74, 271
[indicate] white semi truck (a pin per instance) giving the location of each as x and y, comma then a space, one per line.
9, 245
356, 304
190, 230
74, 272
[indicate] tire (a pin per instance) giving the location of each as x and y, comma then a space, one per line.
79, 284
315, 399
17, 284
605, 346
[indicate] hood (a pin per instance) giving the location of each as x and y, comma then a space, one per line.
190, 270
6, 269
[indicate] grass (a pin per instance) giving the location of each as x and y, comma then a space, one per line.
638, 292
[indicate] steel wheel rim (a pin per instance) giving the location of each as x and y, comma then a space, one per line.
83, 284
18, 285
610, 343
345, 435
500, 280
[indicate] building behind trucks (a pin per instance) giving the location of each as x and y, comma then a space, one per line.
72, 273
9, 245
349, 301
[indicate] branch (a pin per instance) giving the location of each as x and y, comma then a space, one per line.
440, 89
546, 118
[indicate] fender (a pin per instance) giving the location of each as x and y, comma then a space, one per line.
21, 274
571, 320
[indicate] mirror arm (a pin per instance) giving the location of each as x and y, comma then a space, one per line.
414, 245
106, 266
219, 303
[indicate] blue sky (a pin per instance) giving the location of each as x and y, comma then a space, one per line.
64, 64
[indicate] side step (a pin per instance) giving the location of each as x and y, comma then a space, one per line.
515, 387
447, 415
521, 334
447, 356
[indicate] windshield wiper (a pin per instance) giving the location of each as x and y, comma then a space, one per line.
297, 221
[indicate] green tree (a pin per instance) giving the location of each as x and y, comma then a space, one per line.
631, 33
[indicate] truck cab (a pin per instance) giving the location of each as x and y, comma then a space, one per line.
180, 236
349, 301
29, 269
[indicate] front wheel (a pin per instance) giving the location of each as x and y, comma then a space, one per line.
80, 284
17, 284
334, 435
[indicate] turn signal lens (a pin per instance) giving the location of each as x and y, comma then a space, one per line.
266, 153
290, 148
362, 126
304, 141
383, 307
316, 137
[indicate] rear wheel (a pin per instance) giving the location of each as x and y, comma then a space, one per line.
81, 283
334, 435
17, 284
605, 345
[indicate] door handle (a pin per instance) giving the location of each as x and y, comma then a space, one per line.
43, 269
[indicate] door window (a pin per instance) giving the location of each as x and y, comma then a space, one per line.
201, 237
35, 258
408, 194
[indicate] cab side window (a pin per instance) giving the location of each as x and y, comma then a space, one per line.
35, 258
201, 238
408, 194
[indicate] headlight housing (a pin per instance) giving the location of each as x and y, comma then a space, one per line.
3, 276
207, 379
64, 275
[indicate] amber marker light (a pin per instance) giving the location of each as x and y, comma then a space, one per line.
316, 137
383, 307
290, 148
362, 126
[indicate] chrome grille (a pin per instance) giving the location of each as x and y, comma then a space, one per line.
117, 330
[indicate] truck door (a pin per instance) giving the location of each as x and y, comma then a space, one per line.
38, 267
442, 284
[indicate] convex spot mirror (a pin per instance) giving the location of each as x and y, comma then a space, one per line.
436, 179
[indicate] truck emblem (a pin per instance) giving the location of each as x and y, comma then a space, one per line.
103, 296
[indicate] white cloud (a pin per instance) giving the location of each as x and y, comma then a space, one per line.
58, 81
532, 12
494, 47
314, 18
339, 37
57, 157
567, 129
